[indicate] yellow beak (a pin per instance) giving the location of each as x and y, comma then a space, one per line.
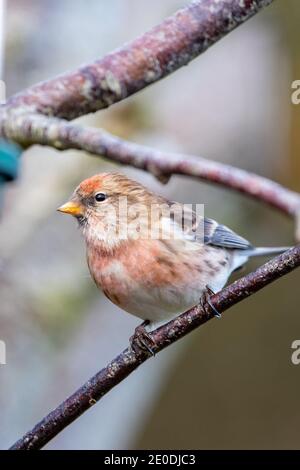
72, 208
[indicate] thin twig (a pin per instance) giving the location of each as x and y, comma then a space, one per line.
120, 367
31, 129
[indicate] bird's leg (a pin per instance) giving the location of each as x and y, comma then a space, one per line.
141, 339
205, 301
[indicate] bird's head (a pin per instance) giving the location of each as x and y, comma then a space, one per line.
103, 203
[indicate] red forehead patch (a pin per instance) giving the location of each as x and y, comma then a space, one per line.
92, 184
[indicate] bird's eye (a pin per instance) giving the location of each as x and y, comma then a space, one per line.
100, 197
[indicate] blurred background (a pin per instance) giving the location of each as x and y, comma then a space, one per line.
231, 384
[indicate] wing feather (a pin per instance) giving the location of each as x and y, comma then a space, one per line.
220, 235
208, 231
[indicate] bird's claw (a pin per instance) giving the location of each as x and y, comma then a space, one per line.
142, 341
205, 301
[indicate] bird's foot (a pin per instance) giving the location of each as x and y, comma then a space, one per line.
206, 302
141, 340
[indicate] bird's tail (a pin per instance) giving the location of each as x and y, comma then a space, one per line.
266, 250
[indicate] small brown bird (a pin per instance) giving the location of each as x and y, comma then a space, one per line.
153, 258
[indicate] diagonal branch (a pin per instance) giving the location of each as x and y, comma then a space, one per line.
31, 129
120, 367
136, 65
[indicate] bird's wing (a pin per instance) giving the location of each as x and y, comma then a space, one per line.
209, 231
220, 235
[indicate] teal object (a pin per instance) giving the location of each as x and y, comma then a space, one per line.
9, 160
9, 163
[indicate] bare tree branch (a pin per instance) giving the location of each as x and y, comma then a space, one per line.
151, 57
120, 367
37, 129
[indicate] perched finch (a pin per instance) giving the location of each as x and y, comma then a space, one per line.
151, 257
